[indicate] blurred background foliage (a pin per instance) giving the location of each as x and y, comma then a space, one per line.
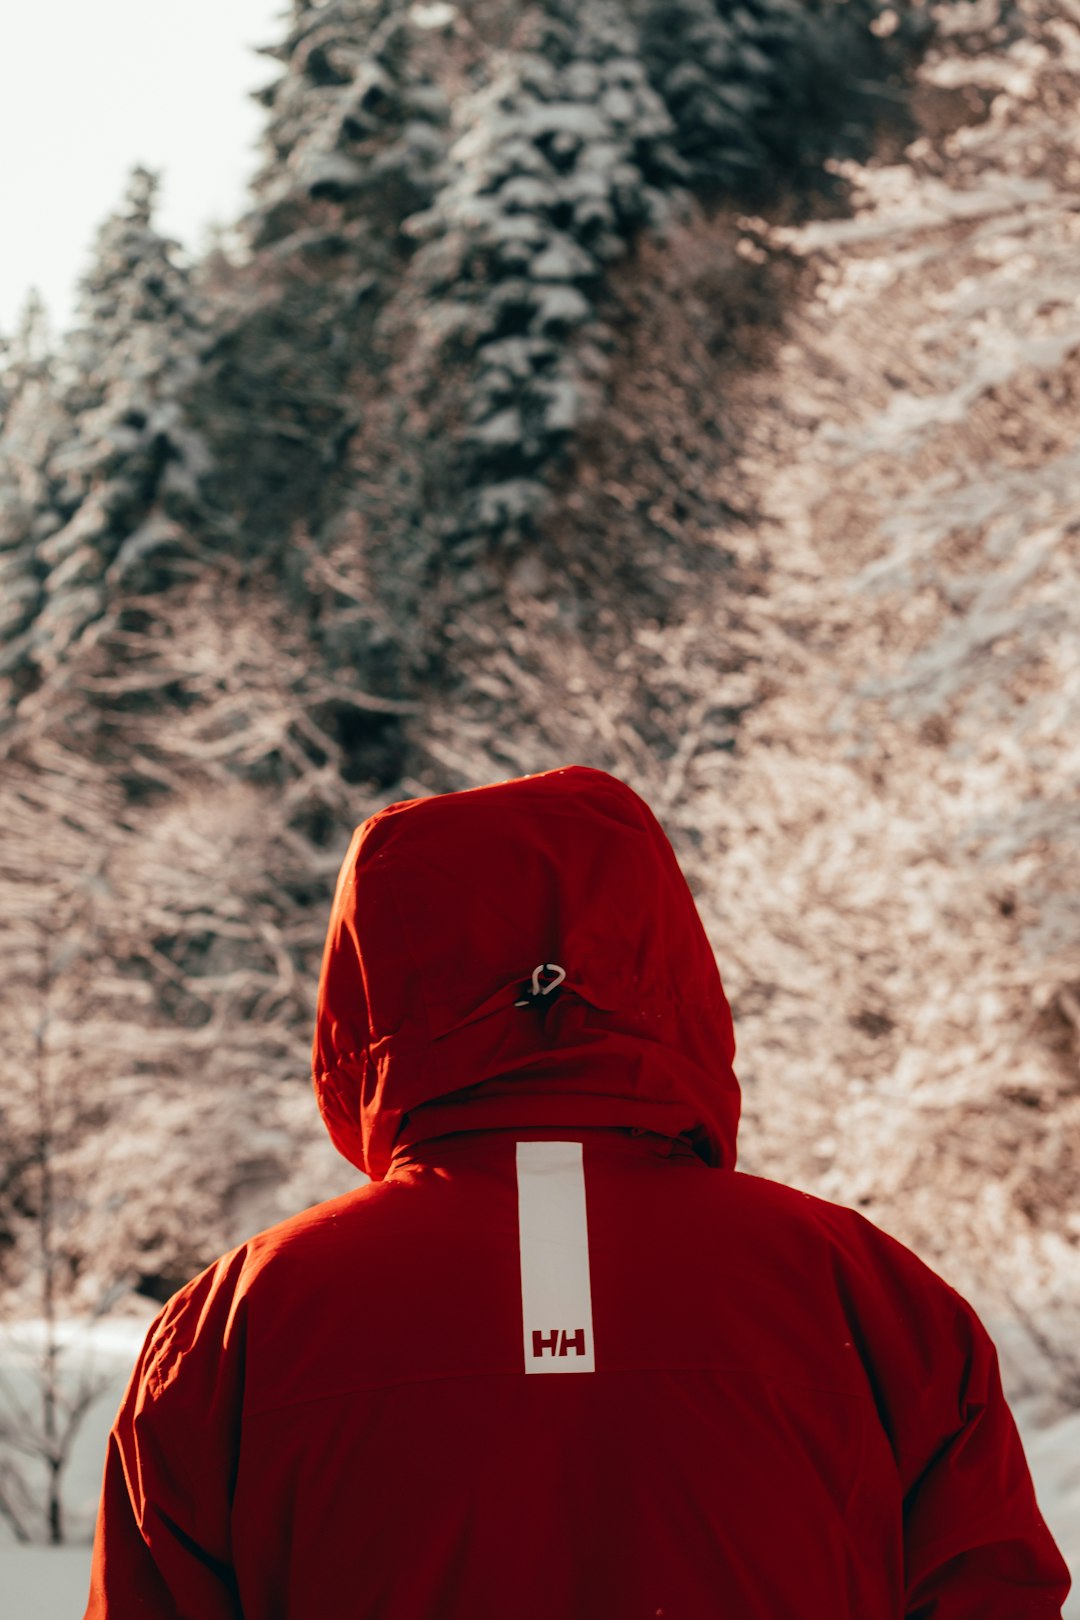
684, 389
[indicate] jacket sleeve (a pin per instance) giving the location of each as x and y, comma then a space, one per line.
975, 1543
162, 1544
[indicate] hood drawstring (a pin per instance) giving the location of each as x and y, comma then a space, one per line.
538, 989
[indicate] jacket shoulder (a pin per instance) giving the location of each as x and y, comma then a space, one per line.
852, 1235
233, 1274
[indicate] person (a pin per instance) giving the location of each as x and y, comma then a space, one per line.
558, 1357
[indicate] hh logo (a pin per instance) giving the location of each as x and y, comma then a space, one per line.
559, 1343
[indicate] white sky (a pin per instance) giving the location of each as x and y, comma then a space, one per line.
89, 88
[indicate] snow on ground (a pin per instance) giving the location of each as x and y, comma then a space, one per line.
105, 1349
51, 1583
1053, 1454
44, 1583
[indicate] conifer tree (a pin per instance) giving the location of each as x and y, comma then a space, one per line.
124, 485
596, 122
33, 424
160, 721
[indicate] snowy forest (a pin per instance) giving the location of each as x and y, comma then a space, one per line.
686, 389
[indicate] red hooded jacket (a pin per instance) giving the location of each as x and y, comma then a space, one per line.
770, 1410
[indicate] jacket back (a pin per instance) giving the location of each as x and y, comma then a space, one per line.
558, 1357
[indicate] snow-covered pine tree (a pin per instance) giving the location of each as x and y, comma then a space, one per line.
765, 96
419, 324
33, 424
354, 138
578, 133
120, 495
155, 672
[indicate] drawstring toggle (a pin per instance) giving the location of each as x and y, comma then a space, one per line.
546, 977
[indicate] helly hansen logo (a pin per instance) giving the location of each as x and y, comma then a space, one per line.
558, 1342
553, 1236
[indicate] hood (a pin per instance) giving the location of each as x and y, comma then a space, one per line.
430, 1019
